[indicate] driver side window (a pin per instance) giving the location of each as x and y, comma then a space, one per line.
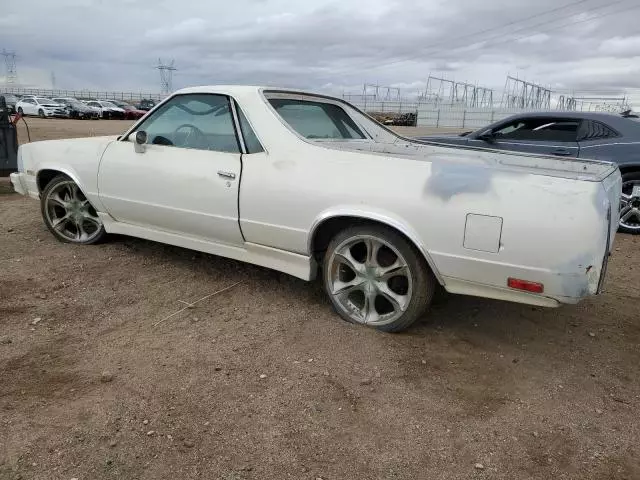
198, 121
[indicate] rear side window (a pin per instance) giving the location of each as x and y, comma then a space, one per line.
317, 120
540, 129
592, 130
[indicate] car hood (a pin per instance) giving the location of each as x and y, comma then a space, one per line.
79, 154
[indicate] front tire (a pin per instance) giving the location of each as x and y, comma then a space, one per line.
41, 113
375, 277
68, 214
20, 111
630, 204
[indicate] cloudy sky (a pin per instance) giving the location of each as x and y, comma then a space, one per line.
587, 45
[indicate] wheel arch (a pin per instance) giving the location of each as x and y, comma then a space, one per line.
330, 223
45, 175
628, 168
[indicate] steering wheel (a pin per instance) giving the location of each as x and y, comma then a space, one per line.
192, 136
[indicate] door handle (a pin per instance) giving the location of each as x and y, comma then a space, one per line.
562, 151
224, 174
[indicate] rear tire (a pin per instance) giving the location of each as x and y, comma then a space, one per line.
375, 277
630, 205
20, 111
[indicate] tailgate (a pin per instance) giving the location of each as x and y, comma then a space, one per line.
613, 188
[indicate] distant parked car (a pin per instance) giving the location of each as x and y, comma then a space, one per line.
41, 106
591, 135
77, 109
11, 100
107, 109
130, 112
146, 104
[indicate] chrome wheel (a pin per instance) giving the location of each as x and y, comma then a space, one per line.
630, 206
69, 214
369, 280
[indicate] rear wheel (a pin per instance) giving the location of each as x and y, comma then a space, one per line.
68, 214
375, 277
20, 111
630, 203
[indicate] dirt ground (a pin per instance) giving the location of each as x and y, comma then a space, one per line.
265, 381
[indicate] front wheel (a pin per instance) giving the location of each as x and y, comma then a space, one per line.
630, 203
68, 214
20, 111
41, 113
375, 277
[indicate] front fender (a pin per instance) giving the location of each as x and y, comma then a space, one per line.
377, 215
77, 158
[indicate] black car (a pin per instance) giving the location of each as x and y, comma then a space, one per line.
591, 135
11, 100
77, 109
146, 104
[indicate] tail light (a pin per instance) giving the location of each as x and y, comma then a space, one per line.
527, 286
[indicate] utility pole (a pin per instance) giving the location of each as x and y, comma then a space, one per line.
166, 76
10, 64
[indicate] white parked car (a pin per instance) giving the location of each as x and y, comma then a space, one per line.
300, 183
107, 109
41, 106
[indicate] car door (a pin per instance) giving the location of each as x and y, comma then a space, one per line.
186, 181
536, 134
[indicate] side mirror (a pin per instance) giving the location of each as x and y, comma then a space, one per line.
140, 141
488, 136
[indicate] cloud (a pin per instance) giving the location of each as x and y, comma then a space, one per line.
115, 44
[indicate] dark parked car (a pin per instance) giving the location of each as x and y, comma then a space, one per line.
145, 104
76, 108
599, 136
11, 100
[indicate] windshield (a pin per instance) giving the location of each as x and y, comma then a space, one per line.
109, 104
44, 100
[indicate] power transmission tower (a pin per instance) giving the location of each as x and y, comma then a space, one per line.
166, 76
441, 90
520, 94
10, 64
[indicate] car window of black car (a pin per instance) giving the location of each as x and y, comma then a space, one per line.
592, 130
542, 129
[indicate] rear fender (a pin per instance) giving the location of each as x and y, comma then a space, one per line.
379, 216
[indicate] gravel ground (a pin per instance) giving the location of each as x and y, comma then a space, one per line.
265, 381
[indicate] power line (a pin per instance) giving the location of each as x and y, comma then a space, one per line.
430, 50
596, 17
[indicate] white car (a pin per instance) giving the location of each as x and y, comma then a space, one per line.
300, 183
41, 106
107, 109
